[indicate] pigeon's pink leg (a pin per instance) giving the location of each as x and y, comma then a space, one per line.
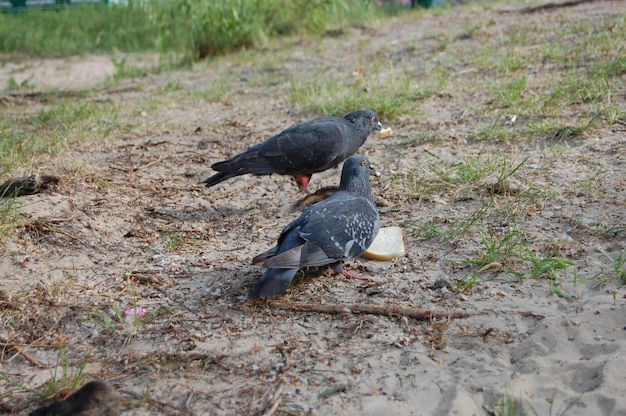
349, 275
346, 274
303, 182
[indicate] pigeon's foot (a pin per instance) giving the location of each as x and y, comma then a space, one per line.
332, 269
303, 182
349, 275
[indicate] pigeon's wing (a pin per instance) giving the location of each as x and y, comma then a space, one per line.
304, 148
304, 255
289, 238
339, 228
344, 228
250, 161
312, 147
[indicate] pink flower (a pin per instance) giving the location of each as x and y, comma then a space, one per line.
135, 312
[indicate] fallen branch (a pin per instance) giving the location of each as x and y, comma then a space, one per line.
385, 310
5, 342
48, 226
154, 162
275, 401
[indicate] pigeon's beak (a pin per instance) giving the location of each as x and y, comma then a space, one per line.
379, 126
375, 170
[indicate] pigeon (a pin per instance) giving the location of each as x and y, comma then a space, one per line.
338, 228
96, 398
302, 149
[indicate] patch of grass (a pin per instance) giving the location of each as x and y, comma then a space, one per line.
497, 250
130, 324
429, 229
217, 92
390, 98
451, 230
79, 30
549, 266
104, 321
26, 85
61, 385
194, 29
510, 406
544, 75
123, 70
143, 398
579, 281
213, 28
512, 64
175, 240
10, 217
614, 115
467, 283
107, 323
510, 95
488, 173
618, 265
548, 131
510, 253
331, 97
56, 290
51, 129
592, 183
472, 31
495, 130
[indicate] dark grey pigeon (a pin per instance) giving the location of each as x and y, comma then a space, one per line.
96, 398
338, 228
302, 149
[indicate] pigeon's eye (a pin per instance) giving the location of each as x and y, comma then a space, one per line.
363, 163
373, 118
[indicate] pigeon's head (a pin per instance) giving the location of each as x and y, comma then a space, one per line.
356, 172
366, 119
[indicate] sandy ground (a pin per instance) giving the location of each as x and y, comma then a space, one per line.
129, 224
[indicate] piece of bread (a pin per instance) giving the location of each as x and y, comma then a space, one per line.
388, 245
385, 133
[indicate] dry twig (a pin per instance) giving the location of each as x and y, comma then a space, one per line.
4, 341
386, 310
275, 401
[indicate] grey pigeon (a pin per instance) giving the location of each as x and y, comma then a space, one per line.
340, 227
302, 149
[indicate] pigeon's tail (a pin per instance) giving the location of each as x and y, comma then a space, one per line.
218, 177
274, 282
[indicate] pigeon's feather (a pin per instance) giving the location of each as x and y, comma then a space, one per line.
274, 282
219, 177
304, 255
303, 149
338, 228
